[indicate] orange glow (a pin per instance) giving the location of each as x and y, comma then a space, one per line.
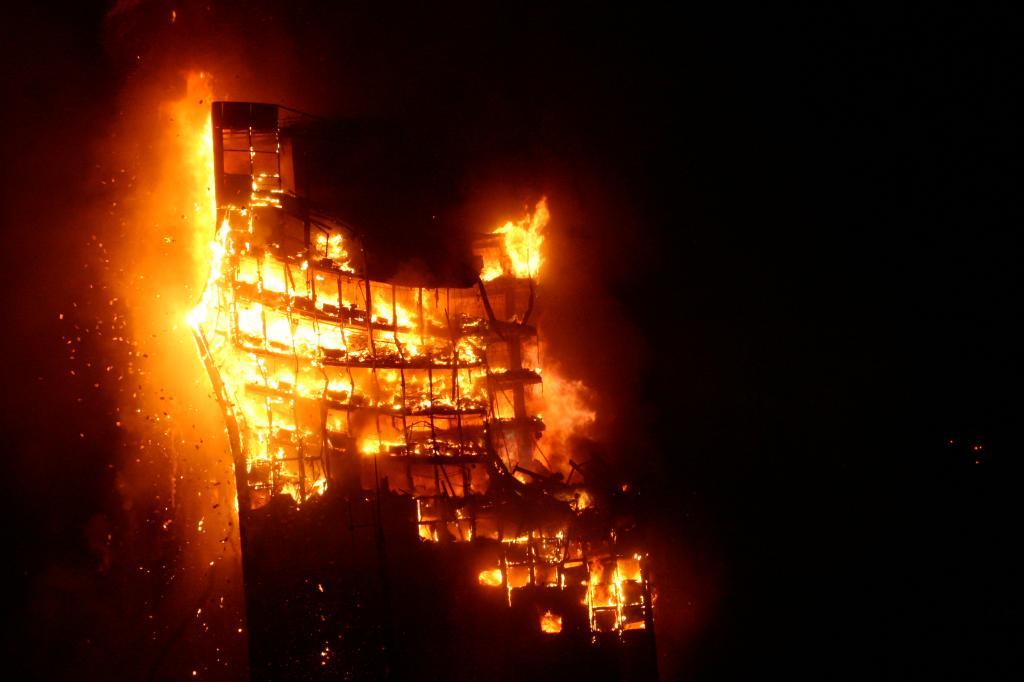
190, 118
567, 413
491, 577
551, 623
157, 233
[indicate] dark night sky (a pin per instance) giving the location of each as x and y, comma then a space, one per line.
819, 211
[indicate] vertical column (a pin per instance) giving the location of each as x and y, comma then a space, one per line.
524, 439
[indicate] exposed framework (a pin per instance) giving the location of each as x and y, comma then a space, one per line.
332, 380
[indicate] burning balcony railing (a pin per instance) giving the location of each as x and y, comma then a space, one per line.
330, 379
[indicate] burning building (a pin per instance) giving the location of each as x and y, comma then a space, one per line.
401, 514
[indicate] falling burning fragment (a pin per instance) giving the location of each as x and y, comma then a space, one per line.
379, 427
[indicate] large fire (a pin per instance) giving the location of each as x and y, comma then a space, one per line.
330, 379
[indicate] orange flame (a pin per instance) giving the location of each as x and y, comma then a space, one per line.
551, 623
522, 257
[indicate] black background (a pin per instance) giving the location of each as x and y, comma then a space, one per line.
819, 210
